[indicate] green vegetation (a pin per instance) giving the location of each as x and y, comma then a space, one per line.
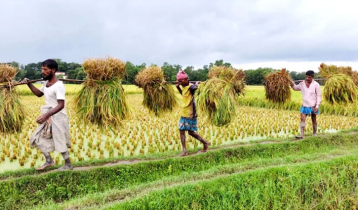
59, 187
322, 185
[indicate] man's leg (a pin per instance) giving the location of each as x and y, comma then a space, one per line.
302, 126
198, 137
182, 139
68, 165
49, 162
314, 124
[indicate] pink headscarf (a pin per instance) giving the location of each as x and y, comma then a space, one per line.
182, 75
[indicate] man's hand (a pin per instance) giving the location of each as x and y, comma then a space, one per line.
25, 81
292, 83
177, 84
42, 118
315, 109
197, 83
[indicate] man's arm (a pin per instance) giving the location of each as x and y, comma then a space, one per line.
179, 89
33, 89
295, 87
59, 107
193, 88
319, 96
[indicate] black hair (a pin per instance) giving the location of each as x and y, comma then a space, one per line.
50, 63
310, 73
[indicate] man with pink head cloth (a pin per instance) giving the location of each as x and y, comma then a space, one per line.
188, 119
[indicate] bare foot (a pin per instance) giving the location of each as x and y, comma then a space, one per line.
315, 134
206, 147
184, 153
45, 165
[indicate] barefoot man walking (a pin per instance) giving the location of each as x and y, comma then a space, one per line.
311, 95
53, 132
188, 119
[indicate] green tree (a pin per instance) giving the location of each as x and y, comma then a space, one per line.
256, 76
33, 71
80, 73
132, 70
170, 71
220, 63
297, 75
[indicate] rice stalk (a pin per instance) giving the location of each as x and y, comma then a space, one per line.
12, 114
104, 69
355, 77
158, 96
277, 86
339, 89
216, 100
103, 103
234, 76
7, 73
326, 71
102, 99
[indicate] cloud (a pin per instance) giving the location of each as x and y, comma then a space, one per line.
180, 32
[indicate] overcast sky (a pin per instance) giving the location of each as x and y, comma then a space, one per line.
249, 34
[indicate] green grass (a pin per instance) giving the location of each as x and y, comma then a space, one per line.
59, 187
259, 92
111, 197
322, 185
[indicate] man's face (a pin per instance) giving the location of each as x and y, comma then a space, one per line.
184, 82
47, 73
309, 78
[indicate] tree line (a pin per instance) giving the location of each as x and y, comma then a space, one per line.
75, 71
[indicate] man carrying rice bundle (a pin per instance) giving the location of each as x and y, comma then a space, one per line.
53, 132
188, 119
311, 95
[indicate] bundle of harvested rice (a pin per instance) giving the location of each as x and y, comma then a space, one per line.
355, 77
104, 69
7, 73
216, 100
326, 71
340, 88
277, 86
231, 75
158, 96
12, 114
102, 100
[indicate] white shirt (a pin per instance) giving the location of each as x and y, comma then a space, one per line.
53, 93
